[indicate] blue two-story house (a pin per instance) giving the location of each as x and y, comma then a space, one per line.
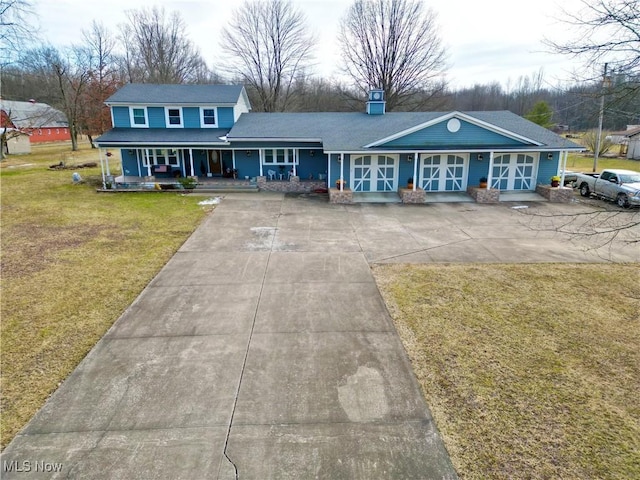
208, 131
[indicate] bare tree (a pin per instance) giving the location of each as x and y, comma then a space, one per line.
269, 46
393, 45
15, 27
606, 31
65, 74
158, 50
103, 80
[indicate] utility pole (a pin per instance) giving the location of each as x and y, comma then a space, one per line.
599, 134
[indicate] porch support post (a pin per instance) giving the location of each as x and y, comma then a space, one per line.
295, 159
146, 153
104, 181
233, 159
489, 179
260, 154
107, 161
193, 172
564, 155
138, 162
415, 170
342, 172
184, 164
328, 170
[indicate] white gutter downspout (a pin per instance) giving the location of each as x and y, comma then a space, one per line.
342, 172
489, 179
415, 170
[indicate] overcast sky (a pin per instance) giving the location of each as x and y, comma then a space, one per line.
490, 40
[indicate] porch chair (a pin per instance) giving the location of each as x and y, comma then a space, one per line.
272, 174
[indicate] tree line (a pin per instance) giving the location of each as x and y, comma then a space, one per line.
389, 44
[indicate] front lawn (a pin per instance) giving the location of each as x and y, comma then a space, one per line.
72, 260
531, 371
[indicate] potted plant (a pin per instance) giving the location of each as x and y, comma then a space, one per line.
555, 181
338, 182
410, 183
483, 182
188, 183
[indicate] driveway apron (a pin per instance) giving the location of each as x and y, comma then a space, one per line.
262, 350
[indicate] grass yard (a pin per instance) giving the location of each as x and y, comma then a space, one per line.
72, 260
531, 371
582, 163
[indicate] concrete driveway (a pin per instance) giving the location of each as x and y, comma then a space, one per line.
263, 349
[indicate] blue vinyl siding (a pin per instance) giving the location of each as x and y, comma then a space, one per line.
156, 117
405, 170
477, 169
225, 117
247, 166
547, 168
335, 170
311, 166
191, 117
121, 117
438, 136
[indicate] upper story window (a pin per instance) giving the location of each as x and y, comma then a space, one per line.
208, 117
174, 117
139, 117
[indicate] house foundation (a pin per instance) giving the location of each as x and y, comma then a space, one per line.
555, 194
484, 195
409, 195
340, 196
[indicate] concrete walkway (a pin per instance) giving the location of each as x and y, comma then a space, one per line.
263, 349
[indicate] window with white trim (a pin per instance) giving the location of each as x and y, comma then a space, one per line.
160, 156
174, 117
138, 117
278, 156
208, 117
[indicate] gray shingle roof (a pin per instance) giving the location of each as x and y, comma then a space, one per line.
33, 114
184, 137
149, 94
352, 131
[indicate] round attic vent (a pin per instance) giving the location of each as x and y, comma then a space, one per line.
453, 125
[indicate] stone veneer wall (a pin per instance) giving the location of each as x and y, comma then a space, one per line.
482, 195
337, 196
408, 195
293, 185
555, 194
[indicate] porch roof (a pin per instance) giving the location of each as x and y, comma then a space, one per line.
166, 137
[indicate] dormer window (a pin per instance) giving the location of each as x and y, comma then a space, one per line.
138, 117
208, 117
174, 117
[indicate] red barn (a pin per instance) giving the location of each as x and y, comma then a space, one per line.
40, 121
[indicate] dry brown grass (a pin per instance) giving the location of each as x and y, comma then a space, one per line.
72, 260
531, 371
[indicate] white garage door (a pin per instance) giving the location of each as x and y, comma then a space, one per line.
443, 173
514, 172
374, 173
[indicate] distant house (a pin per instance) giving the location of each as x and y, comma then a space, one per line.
16, 142
633, 147
40, 121
209, 131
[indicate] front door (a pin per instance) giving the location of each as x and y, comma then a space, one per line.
514, 172
443, 173
215, 162
374, 173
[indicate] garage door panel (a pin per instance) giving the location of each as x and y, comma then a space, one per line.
443, 173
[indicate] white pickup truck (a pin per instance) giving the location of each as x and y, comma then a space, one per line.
620, 186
